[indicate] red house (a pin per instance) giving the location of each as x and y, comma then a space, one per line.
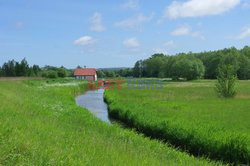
85, 74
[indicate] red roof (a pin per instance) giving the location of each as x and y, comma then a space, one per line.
85, 72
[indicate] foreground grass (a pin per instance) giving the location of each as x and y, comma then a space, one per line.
189, 115
40, 124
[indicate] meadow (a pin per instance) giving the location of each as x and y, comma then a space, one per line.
40, 124
190, 116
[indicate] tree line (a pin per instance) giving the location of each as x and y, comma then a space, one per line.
187, 66
195, 65
13, 68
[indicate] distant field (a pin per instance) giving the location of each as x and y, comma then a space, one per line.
189, 115
40, 124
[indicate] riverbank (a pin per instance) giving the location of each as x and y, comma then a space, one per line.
42, 125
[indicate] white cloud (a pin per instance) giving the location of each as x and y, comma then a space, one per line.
131, 4
245, 33
187, 31
198, 8
134, 22
96, 23
131, 43
84, 41
181, 31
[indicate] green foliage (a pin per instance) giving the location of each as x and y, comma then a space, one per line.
190, 116
62, 72
159, 65
194, 65
128, 72
137, 70
109, 74
225, 85
244, 67
24, 68
36, 69
188, 67
13, 68
100, 74
8, 68
154, 65
114, 72
40, 124
239, 59
52, 74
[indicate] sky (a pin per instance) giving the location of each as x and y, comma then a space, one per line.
117, 33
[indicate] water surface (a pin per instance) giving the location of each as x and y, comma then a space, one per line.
93, 101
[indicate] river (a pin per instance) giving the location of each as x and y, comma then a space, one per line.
93, 101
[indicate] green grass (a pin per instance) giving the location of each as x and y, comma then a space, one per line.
189, 115
40, 124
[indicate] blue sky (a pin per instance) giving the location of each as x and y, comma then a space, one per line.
116, 33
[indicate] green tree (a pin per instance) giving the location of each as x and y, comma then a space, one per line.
188, 67
1, 72
62, 72
137, 70
23, 68
100, 74
8, 69
246, 51
52, 74
226, 79
243, 71
36, 69
211, 63
154, 65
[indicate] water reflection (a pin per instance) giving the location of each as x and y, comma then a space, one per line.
93, 101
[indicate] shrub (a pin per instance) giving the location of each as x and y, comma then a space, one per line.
61, 72
44, 74
225, 85
52, 74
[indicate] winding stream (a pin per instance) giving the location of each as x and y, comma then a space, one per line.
93, 101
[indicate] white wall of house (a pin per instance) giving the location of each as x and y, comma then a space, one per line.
95, 77
86, 77
80, 77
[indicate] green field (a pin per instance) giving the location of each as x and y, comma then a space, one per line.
189, 115
40, 124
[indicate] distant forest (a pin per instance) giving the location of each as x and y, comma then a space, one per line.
13, 68
195, 65
188, 66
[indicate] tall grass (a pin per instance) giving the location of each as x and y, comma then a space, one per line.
189, 115
40, 124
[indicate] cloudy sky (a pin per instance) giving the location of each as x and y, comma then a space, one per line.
116, 33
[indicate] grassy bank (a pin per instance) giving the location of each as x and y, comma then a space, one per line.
189, 115
40, 124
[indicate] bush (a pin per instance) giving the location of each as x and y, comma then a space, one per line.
44, 74
61, 72
52, 74
225, 85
